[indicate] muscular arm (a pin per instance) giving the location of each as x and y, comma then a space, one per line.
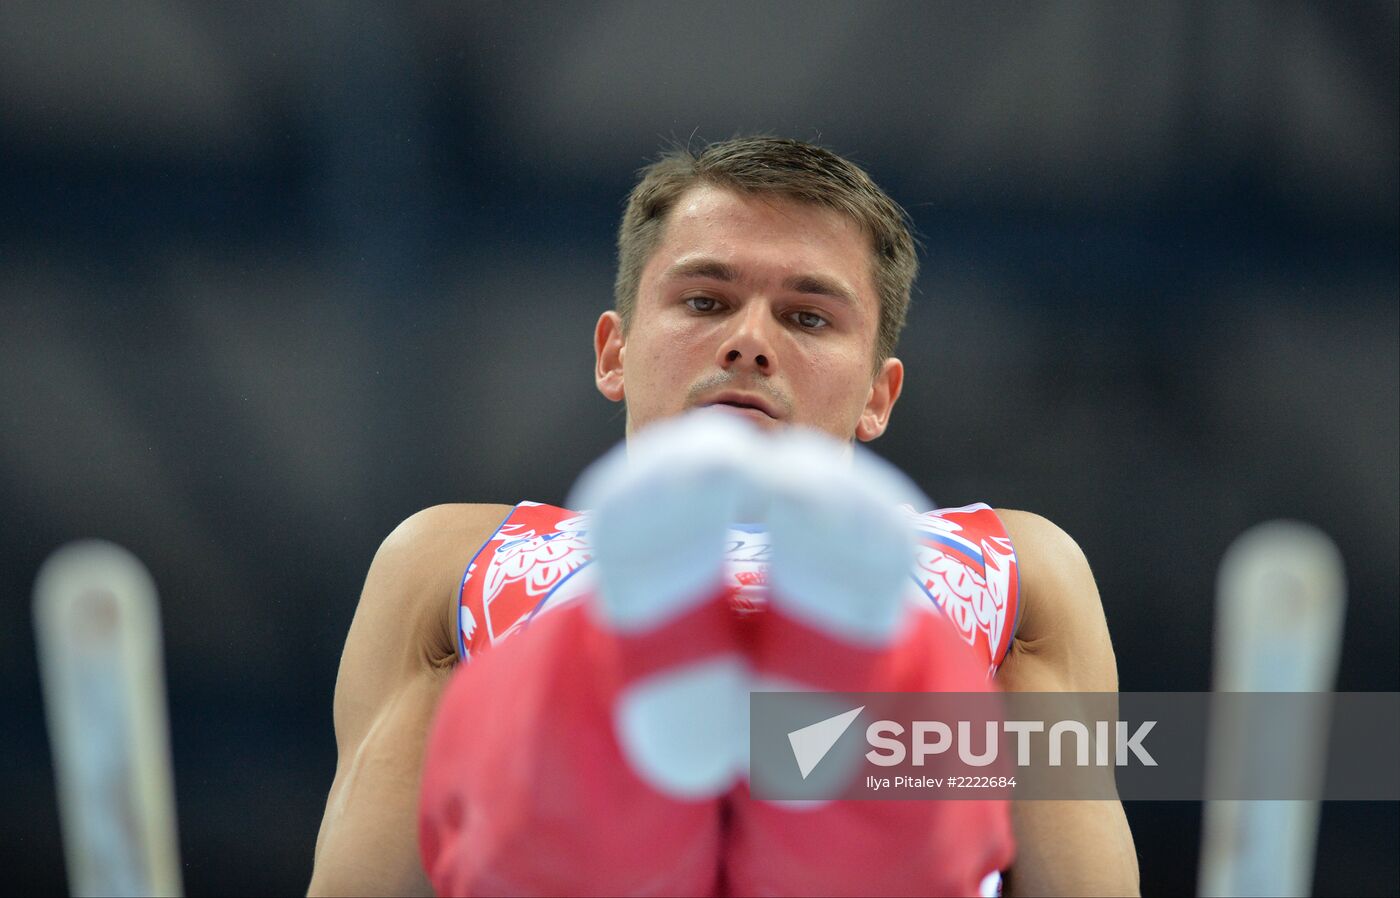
396, 661
1062, 645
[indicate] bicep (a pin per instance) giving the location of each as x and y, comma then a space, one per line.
1072, 848
368, 842
392, 674
1076, 847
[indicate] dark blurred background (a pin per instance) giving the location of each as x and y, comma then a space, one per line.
272, 278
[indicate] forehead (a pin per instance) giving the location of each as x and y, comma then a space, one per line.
765, 235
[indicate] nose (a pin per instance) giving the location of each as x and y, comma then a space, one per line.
749, 345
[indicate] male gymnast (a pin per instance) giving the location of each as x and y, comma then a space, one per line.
569, 716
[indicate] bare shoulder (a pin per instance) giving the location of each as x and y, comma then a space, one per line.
423, 534
1062, 641
422, 560
403, 625
1051, 566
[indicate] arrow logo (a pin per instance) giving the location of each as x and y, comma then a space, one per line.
811, 743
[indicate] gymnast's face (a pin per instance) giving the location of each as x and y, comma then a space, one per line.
761, 306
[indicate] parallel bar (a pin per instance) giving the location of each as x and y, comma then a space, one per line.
1280, 603
99, 646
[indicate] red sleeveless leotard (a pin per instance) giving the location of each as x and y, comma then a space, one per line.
538, 560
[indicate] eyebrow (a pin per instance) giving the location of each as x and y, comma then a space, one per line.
714, 269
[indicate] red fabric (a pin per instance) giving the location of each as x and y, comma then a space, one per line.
867, 847
525, 791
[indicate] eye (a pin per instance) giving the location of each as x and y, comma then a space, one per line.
702, 303
809, 320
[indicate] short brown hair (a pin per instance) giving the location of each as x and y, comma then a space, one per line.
791, 169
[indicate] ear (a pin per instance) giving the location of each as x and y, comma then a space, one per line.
889, 380
608, 350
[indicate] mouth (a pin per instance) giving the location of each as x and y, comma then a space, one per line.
754, 406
